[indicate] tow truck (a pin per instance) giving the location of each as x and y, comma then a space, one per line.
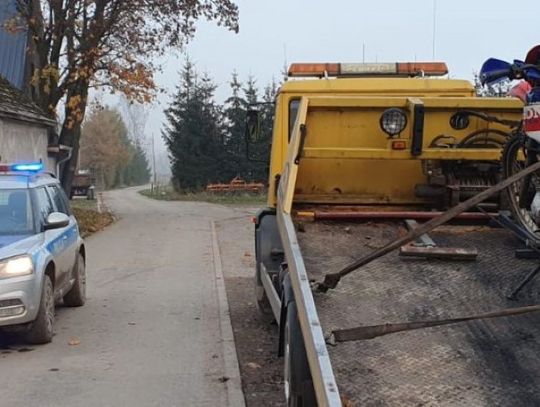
367, 154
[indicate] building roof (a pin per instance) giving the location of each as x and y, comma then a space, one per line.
12, 46
15, 105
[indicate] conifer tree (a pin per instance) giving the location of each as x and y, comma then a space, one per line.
267, 124
193, 132
234, 127
251, 93
137, 171
207, 141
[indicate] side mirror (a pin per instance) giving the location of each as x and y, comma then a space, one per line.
56, 220
253, 126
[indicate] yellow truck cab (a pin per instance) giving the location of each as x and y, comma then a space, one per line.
360, 153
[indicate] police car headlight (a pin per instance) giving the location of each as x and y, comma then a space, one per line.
16, 266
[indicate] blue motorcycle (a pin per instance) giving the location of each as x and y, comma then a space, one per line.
523, 148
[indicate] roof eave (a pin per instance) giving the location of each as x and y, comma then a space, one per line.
29, 118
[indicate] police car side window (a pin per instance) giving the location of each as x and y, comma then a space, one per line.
59, 200
44, 205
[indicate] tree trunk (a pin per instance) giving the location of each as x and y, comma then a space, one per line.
70, 137
71, 131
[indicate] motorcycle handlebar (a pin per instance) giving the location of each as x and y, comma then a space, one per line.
494, 75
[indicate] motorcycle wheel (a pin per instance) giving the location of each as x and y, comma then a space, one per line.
514, 159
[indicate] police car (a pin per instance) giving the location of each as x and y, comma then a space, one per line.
42, 256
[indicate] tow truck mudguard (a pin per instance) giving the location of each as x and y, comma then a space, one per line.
268, 246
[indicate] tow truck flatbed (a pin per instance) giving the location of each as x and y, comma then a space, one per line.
387, 148
480, 363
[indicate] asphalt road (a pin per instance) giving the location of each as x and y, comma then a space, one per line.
151, 331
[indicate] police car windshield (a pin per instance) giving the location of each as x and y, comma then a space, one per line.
15, 212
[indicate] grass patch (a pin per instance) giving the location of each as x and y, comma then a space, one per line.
79, 203
88, 218
237, 199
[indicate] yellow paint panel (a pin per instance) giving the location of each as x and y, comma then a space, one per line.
387, 154
370, 181
348, 158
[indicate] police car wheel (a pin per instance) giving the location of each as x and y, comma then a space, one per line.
42, 329
76, 297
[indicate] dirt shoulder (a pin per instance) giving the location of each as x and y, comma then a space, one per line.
88, 217
256, 338
237, 199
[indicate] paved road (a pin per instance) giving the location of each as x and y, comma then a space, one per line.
150, 333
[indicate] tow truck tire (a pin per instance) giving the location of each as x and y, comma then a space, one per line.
511, 165
76, 297
42, 329
263, 304
299, 391
261, 299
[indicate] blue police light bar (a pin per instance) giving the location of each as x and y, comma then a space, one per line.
27, 167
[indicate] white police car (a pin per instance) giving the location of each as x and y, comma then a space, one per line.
42, 256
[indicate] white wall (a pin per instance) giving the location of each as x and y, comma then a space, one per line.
20, 141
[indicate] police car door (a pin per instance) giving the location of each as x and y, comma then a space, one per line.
55, 239
61, 204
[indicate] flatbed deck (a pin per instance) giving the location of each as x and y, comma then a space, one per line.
481, 363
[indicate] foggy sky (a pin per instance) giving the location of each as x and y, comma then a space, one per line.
466, 33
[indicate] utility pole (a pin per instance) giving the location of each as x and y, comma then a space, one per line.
285, 67
153, 162
363, 52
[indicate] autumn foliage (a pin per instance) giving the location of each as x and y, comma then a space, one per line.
108, 152
80, 44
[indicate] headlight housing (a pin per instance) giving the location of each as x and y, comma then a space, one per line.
393, 121
16, 267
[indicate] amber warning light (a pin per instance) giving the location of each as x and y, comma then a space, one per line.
402, 69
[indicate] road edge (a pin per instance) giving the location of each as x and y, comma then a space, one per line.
235, 395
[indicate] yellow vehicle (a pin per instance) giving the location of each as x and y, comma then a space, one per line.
359, 152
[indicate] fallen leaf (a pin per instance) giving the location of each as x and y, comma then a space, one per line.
253, 365
346, 402
74, 341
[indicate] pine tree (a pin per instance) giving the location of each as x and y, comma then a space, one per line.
137, 171
251, 93
234, 128
267, 112
193, 132
177, 129
206, 141
211, 131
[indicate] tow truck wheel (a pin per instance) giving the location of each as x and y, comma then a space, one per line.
42, 329
299, 390
261, 299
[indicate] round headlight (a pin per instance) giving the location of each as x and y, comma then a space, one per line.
393, 121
